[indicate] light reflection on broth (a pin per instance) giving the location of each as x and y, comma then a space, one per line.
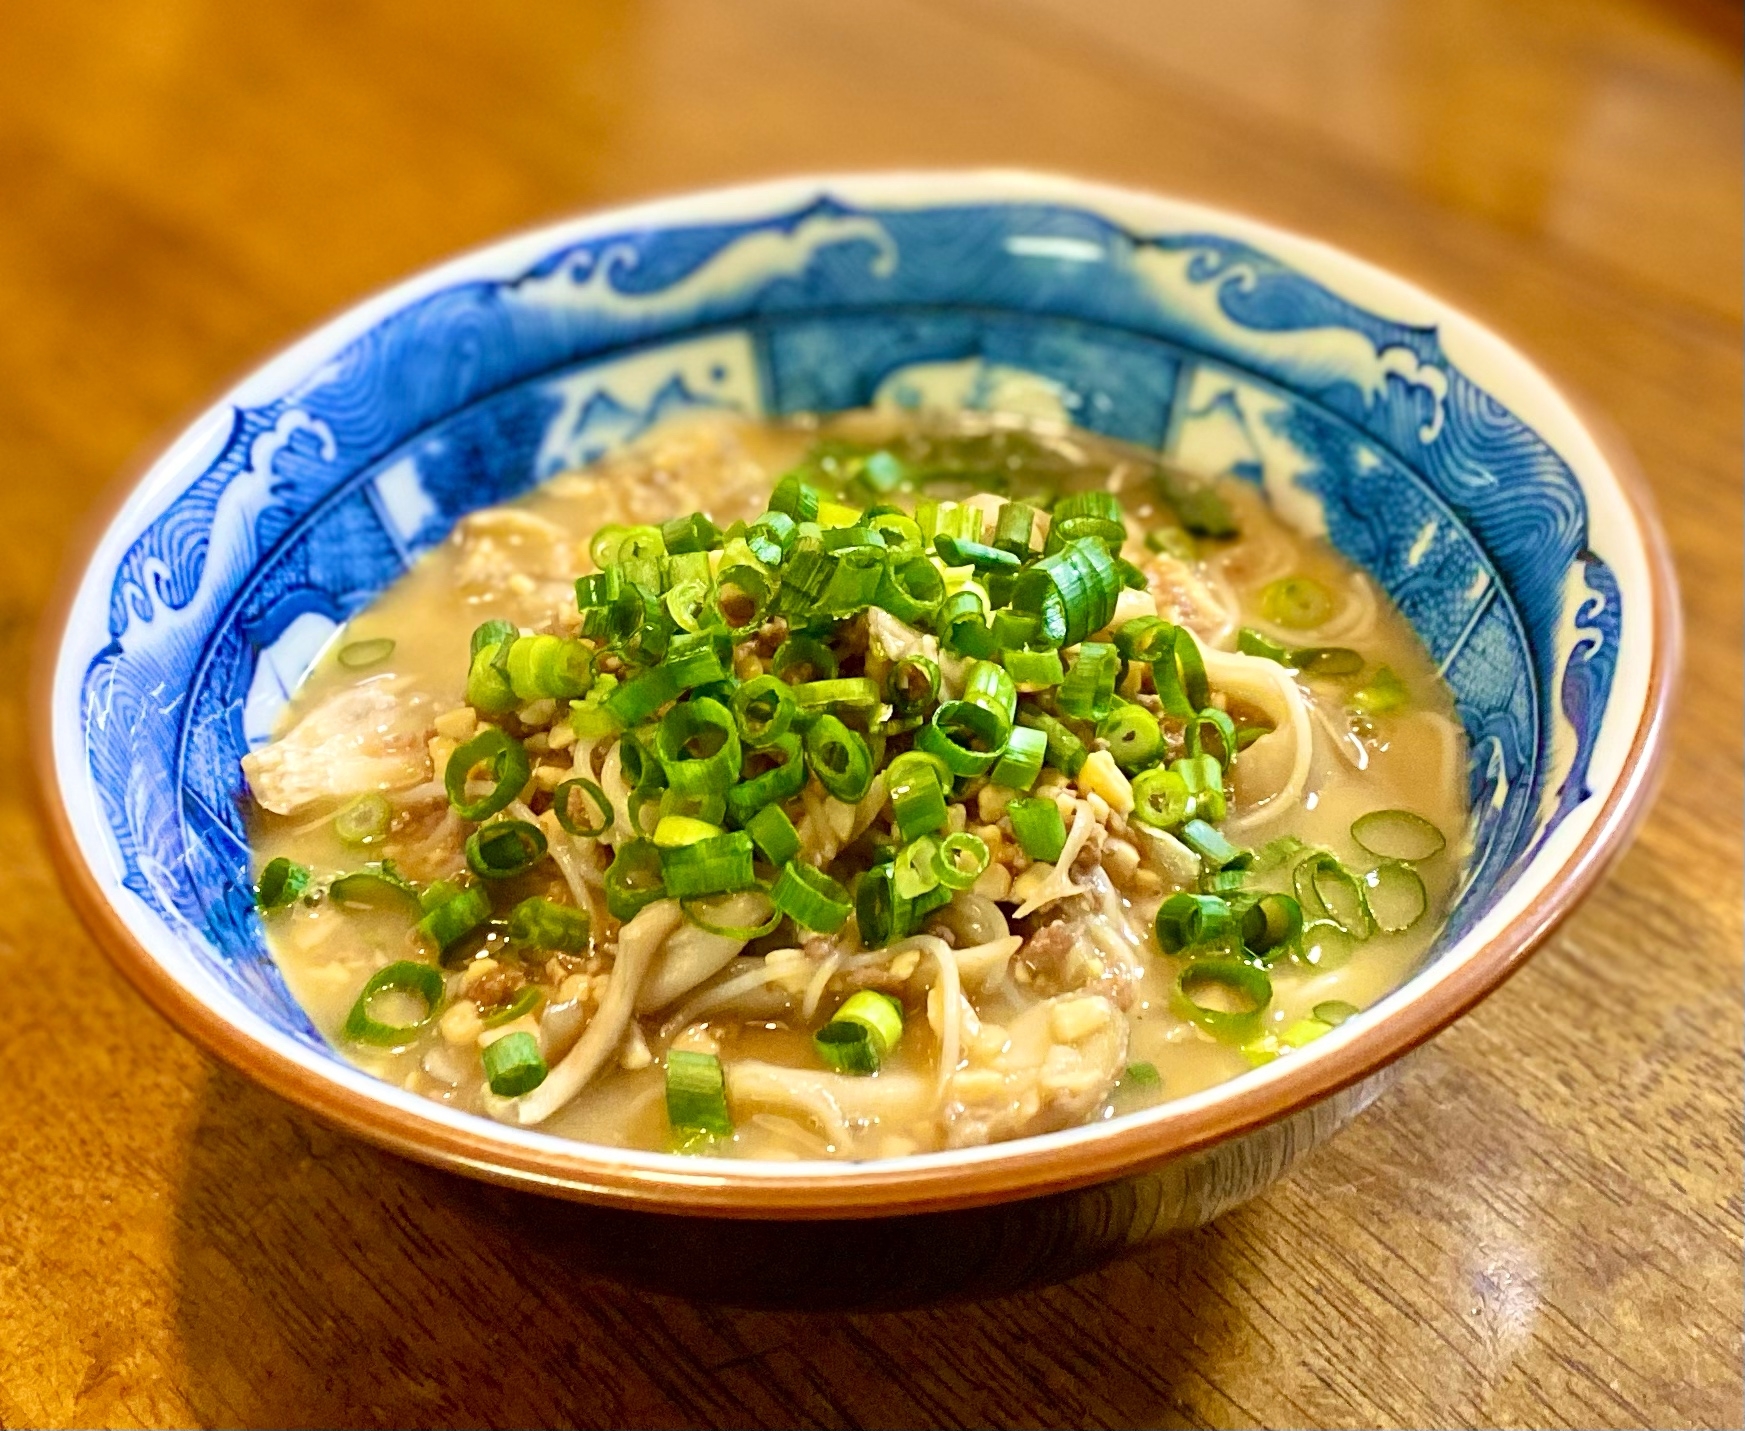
1031, 1053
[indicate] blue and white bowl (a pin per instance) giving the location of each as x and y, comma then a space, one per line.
1429, 452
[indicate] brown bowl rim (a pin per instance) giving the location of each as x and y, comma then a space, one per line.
588, 1173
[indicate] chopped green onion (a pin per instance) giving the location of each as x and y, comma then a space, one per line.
917, 798
742, 598
1204, 778
913, 685
504, 848
1316, 661
698, 745
1144, 638
763, 709
708, 808
420, 981
861, 1035
1241, 983
1013, 527
375, 886
839, 758
364, 821
1021, 761
562, 800
1161, 798
1065, 751
1133, 735
513, 1064
745, 933
1074, 591
914, 871
811, 898
968, 737
802, 658
1325, 886
639, 698
962, 859
962, 624
1209, 844
696, 1092
281, 882
1382, 694
1324, 945
695, 533
1271, 924
716, 865
1222, 726
633, 879
1089, 686
545, 924
1178, 671
882, 914
676, 830
1036, 670
489, 635
781, 781
504, 759
1397, 835
795, 499
1335, 1012
359, 654
954, 551
1037, 823
528, 998
774, 834
1185, 921
1253, 643
549, 667
455, 917
1395, 896
990, 685
854, 694
488, 687
1297, 602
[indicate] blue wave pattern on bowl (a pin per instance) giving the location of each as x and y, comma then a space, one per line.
1193, 344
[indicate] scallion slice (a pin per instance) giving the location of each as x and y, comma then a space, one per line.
990, 685
696, 909
1327, 661
1161, 798
375, 886
1394, 894
782, 780
862, 1033
1335, 1012
914, 871
696, 1093
1381, 694
774, 834
852, 694
839, 757
633, 879
1209, 844
719, 864
1254, 643
1239, 984
1326, 888
1089, 686
698, 745
541, 923
913, 685
364, 821
419, 981
1037, 823
358, 655
968, 737
1397, 835
917, 798
1065, 751
763, 709
961, 860
1187, 921
1035, 670
506, 764
1222, 728
882, 914
1074, 591
1271, 924
452, 919
513, 1064
1298, 602
528, 998
504, 848
1134, 737
675, 830
281, 883
568, 795
811, 898
803, 658
1021, 761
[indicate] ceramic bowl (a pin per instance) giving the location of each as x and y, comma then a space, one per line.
1426, 449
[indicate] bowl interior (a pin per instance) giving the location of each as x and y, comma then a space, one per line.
1427, 452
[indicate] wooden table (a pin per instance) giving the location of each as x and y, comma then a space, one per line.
1540, 1226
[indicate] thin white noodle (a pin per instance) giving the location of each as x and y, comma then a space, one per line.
720, 995
950, 999
820, 980
1271, 687
569, 860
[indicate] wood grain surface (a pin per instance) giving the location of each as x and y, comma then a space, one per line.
1539, 1226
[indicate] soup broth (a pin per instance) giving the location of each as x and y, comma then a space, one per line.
1236, 824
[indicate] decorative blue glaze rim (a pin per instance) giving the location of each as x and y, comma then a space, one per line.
1426, 450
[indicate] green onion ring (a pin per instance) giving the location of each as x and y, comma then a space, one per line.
423, 981
633, 880
839, 758
503, 757
1321, 882
913, 685
691, 721
504, 848
356, 655
1394, 894
541, 923
528, 998
364, 821
745, 933
281, 882
811, 659
914, 871
1297, 602
560, 805
1241, 978
1397, 835
752, 699
952, 873
1185, 921
811, 898
364, 887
